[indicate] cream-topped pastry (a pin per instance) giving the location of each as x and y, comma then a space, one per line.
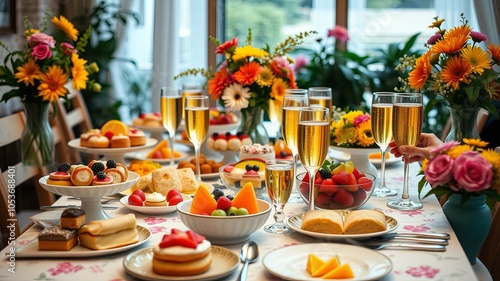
182, 251
256, 150
155, 199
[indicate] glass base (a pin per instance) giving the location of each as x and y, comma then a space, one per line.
384, 192
405, 205
277, 228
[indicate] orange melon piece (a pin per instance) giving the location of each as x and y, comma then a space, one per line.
343, 271
313, 263
246, 198
158, 147
203, 202
166, 153
328, 266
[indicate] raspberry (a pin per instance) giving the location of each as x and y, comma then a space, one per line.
97, 167
64, 167
111, 164
325, 174
101, 175
223, 203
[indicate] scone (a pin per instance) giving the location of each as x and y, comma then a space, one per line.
364, 221
323, 221
188, 180
166, 179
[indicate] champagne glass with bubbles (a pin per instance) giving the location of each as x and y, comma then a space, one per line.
279, 182
407, 120
196, 114
320, 96
171, 115
290, 125
313, 142
381, 114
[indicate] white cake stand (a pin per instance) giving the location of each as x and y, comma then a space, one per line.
91, 195
116, 154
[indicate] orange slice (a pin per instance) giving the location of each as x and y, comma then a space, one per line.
116, 127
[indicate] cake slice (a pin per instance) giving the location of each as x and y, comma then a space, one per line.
55, 238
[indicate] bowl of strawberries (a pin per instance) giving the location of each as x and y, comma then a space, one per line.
338, 186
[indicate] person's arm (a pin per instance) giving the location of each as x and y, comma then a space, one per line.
422, 150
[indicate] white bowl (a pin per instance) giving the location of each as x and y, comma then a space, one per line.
225, 230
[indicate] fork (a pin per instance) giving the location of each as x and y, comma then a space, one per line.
397, 246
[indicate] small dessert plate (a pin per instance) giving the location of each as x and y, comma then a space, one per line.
146, 210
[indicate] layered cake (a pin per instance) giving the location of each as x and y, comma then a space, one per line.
55, 238
72, 218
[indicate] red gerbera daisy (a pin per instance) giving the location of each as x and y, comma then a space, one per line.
222, 48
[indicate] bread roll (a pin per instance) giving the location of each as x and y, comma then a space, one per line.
364, 221
109, 241
188, 180
323, 221
166, 179
109, 226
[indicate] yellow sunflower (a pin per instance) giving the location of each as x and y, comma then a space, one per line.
52, 84
265, 77
458, 150
492, 157
248, 51
78, 72
424, 164
66, 26
30, 31
475, 142
278, 89
346, 136
27, 73
478, 59
365, 137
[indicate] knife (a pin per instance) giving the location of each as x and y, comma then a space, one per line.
46, 208
394, 239
416, 234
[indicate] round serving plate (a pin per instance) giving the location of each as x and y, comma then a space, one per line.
116, 154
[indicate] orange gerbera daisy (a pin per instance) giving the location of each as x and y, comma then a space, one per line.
52, 84
27, 73
455, 71
418, 76
247, 73
450, 44
217, 84
458, 31
291, 80
278, 89
494, 50
478, 59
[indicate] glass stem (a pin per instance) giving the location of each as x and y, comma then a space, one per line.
279, 214
295, 156
405, 194
312, 176
382, 167
197, 154
171, 142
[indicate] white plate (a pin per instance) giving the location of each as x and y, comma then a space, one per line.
209, 176
290, 262
110, 151
152, 210
139, 264
151, 129
388, 160
295, 223
207, 185
141, 155
30, 250
47, 218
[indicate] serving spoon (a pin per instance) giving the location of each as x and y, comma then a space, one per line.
249, 254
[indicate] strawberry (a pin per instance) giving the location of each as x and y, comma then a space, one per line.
224, 203
344, 198
178, 238
142, 115
359, 196
195, 236
318, 179
341, 178
357, 173
222, 137
176, 199
157, 114
229, 168
172, 193
306, 177
365, 183
328, 186
109, 135
323, 199
352, 185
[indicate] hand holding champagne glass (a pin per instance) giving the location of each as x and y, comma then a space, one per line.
406, 129
313, 142
197, 121
171, 115
290, 126
279, 182
381, 114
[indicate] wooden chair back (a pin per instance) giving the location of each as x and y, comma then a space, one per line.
490, 251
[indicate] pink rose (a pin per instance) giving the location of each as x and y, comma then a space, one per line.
41, 52
68, 48
339, 32
472, 172
439, 170
41, 38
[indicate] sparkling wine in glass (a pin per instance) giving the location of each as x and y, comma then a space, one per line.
381, 114
190, 89
197, 122
290, 126
406, 128
313, 142
171, 115
279, 183
320, 96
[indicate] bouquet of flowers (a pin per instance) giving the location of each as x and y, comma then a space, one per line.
352, 129
455, 68
469, 169
39, 72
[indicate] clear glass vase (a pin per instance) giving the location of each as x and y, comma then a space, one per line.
252, 123
463, 124
37, 139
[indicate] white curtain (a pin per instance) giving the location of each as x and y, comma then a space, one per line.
450, 10
488, 14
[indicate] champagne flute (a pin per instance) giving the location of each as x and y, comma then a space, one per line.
290, 126
406, 128
381, 114
190, 89
279, 183
313, 142
274, 113
321, 96
171, 115
197, 122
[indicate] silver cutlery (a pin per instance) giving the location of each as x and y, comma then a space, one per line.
416, 234
46, 208
249, 254
397, 246
434, 241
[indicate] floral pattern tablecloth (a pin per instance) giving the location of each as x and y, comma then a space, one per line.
407, 265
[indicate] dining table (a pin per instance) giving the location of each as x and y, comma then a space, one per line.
451, 264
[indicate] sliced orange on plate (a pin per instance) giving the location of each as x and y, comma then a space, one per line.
116, 127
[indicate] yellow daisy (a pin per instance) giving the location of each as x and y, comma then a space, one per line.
27, 73
437, 23
458, 150
346, 136
492, 157
478, 59
66, 26
78, 72
424, 164
265, 77
475, 142
248, 51
278, 89
30, 31
52, 84
365, 137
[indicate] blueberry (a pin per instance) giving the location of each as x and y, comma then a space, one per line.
78, 163
283, 154
111, 164
64, 167
215, 135
255, 168
248, 167
101, 175
230, 197
228, 134
218, 192
97, 167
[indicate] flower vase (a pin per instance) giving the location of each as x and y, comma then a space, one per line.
470, 221
463, 124
252, 123
37, 139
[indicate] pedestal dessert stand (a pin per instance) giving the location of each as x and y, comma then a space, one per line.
91, 195
116, 154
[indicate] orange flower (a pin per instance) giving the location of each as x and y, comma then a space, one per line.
52, 84
217, 84
456, 71
278, 89
247, 73
28, 72
458, 31
478, 59
418, 76
291, 80
494, 50
450, 45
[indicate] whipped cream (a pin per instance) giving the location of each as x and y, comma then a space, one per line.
155, 197
180, 251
